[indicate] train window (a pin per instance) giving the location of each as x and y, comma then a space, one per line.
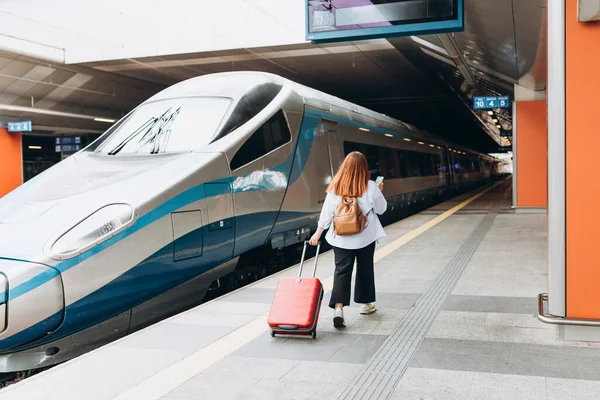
271, 135
349, 147
394, 163
464, 164
414, 164
403, 166
426, 164
248, 106
459, 165
372, 154
437, 164
390, 162
166, 126
421, 162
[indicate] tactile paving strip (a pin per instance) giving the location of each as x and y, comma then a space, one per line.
384, 370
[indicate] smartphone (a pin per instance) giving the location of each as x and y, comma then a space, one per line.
379, 180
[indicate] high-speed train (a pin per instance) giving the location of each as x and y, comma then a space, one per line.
180, 194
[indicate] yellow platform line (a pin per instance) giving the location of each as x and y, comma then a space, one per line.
401, 241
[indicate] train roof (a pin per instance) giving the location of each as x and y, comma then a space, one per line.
239, 83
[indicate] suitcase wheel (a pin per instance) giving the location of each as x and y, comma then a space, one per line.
313, 334
272, 333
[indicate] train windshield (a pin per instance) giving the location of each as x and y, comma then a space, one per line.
166, 126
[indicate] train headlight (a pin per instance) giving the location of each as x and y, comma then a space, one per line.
93, 230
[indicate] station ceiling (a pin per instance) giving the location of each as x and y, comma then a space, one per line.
65, 98
413, 79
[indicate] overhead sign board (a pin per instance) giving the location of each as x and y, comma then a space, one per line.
67, 148
68, 144
488, 103
68, 140
21, 126
344, 20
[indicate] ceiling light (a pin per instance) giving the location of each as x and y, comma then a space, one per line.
495, 120
407, 139
439, 147
111, 121
491, 112
388, 135
431, 145
421, 143
35, 147
498, 126
34, 110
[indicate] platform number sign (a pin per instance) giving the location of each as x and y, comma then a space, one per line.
491, 102
21, 126
488, 103
479, 103
503, 102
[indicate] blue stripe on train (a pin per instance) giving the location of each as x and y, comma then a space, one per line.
191, 195
152, 277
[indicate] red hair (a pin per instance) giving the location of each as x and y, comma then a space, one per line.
352, 179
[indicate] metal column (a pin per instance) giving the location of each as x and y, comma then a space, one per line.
556, 159
514, 154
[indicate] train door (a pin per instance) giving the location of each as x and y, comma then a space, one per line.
449, 166
312, 172
335, 155
203, 240
219, 229
315, 175
325, 152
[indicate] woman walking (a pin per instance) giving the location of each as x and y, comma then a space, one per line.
352, 181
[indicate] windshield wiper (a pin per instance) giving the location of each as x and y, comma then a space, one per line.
162, 133
148, 124
151, 135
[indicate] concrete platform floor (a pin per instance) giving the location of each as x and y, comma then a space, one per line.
456, 289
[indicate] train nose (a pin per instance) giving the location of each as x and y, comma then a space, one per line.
31, 302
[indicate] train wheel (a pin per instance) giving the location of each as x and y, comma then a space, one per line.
272, 333
313, 334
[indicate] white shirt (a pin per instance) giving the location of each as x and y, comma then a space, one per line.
371, 202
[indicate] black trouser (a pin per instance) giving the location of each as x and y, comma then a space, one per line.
364, 288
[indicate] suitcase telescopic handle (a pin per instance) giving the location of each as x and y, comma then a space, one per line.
304, 254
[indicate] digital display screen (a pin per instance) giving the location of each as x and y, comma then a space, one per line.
371, 17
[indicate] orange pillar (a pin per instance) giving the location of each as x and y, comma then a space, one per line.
532, 153
582, 183
11, 163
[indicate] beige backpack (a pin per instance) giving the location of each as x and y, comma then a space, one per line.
349, 218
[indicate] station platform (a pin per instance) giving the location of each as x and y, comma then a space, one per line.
456, 319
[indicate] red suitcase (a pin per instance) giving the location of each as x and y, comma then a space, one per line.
297, 302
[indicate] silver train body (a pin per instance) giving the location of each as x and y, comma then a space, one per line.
138, 225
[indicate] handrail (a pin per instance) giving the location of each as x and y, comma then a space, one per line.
553, 319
